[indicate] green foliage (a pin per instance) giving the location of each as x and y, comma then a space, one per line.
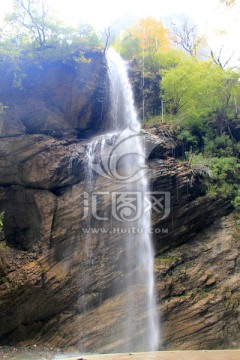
162, 60
195, 89
219, 146
200, 166
170, 59
221, 175
87, 35
29, 20
185, 136
62, 40
32, 34
164, 260
236, 201
33, 24
128, 48
202, 99
225, 169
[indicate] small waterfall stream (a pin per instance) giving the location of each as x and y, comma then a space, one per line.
120, 157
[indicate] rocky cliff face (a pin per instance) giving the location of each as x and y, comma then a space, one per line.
56, 97
60, 285
198, 285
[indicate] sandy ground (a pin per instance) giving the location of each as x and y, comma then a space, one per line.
15, 354
168, 355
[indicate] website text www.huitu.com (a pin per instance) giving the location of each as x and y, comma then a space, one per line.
126, 230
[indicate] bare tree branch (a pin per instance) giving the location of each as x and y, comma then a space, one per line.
36, 26
187, 37
218, 61
225, 64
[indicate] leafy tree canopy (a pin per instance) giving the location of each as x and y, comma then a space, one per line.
200, 91
146, 37
32, 26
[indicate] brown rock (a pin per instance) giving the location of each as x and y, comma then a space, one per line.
55, 97
206, 313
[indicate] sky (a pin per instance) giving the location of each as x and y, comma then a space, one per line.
210, 17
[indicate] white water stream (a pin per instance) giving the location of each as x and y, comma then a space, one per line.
122, 160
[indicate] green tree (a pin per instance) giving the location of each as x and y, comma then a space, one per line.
196, 92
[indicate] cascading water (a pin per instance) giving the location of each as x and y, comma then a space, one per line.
123, 112
120, 157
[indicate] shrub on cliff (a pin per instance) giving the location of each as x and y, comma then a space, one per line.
220, 175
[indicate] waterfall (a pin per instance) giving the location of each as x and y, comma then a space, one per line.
120, 158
